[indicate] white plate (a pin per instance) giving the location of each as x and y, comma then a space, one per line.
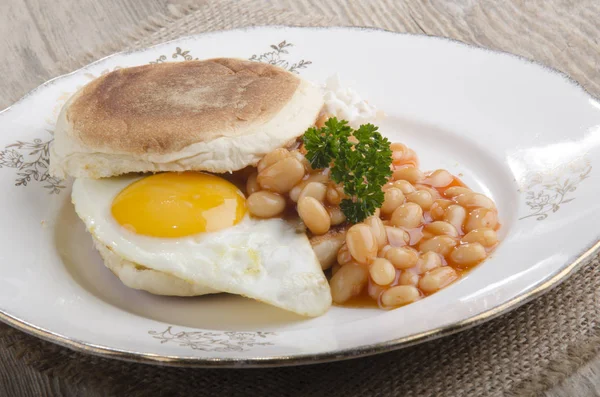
525, 135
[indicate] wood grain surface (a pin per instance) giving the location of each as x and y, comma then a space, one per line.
41, 39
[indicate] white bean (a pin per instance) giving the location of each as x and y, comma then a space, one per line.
348, 281
456, 215
400, 295
378, 230
484, 236
410, 174
439, 228
467, 255
437, 279
474, 200
272, 157
408, 215
264, 204
361, 243
402, 257
428, 261
314, 189
439, 178
397, 237
314, 215
480, 218
393, 198
439, 244
382, 272
421, 197
456, 191
282, 176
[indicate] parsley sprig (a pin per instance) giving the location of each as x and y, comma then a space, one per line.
362, 168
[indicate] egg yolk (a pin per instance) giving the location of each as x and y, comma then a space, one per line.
179, 204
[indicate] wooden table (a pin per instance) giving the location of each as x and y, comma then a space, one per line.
43, 39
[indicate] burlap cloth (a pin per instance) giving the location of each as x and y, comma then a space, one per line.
521, 353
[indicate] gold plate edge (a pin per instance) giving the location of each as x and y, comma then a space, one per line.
276, 361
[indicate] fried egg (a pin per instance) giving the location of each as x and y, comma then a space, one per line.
194, 227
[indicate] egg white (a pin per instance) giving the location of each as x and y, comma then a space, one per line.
264, 259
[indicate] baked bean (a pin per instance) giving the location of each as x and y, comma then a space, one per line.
397, 156
336, 215
348, 281
327, 249
393, 198
294, 194
468, 254
480, 218
439, 244
381, 253
456, 191
282, 176
416, 235
320, 177
405, 186
439, 178
314, 189
410, 174
400, 295
434, 193
252, 184
375, 291
428, 261
397, 237
387, 186
402, 257
409, 215
398, 152
265, 204
402, 155
398, 147
343, 256
471, 200
303, 160
382, 272
314, 215
410, 158
484, 236
438, 208
421, 197
272, 158
378, 230
456, 215
361, 243
437, 279
408, 278
439, 228
334, 194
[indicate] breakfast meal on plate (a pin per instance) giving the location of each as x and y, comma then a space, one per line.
226, 175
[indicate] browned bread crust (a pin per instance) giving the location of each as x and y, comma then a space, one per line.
162, 108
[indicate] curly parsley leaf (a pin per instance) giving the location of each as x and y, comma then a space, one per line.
324, 144
362, 168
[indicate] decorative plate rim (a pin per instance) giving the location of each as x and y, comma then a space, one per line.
304, 359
